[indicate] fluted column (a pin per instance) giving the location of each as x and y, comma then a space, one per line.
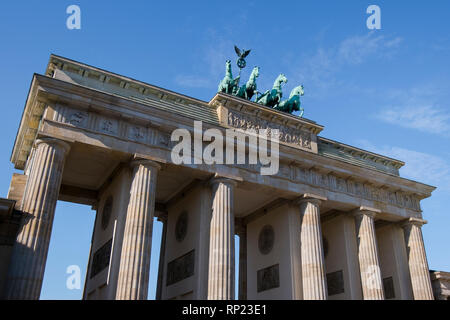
162, 253
29, 256
221, 245
241, 231
369, 265
417, 260
313, 262
137, 239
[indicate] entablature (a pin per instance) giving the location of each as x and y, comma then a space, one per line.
93, 122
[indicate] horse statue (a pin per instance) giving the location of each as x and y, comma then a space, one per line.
228, 84
249, 89
293, 103
272, 98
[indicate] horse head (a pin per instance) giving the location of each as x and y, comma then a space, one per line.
281, 79
297, 91
255, 72
228, 67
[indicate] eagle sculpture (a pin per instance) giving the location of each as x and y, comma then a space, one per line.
241, 54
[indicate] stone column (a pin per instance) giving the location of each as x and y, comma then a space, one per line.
29, 256
221, 245
162, 254
369, 265
417, 260
241, 231
313, 262
134, 269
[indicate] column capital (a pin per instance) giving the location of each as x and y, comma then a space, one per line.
413, 221
312, 198
367, 211
145, 162
54, 142
225, 180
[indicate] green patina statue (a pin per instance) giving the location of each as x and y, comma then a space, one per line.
228, 84
273, 97
249, 89
293, 103
241, 54
270, 98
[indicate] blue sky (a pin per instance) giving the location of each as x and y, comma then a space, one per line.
386, 91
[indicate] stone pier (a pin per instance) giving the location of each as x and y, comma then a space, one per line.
417, 260
29, 256
221, 249
369, 265
313, 265
137, 241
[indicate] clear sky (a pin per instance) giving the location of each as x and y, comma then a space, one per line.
386, 90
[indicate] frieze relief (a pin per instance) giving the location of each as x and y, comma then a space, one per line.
78, 118
153, 136
136, 133
354, 188
119, 128
109, 126
285, 134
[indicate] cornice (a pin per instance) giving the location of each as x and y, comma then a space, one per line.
104, 76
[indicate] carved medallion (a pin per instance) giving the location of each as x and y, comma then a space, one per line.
266, 239
181, 226
106, 213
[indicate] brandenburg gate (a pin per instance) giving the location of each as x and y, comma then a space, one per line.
334, 222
